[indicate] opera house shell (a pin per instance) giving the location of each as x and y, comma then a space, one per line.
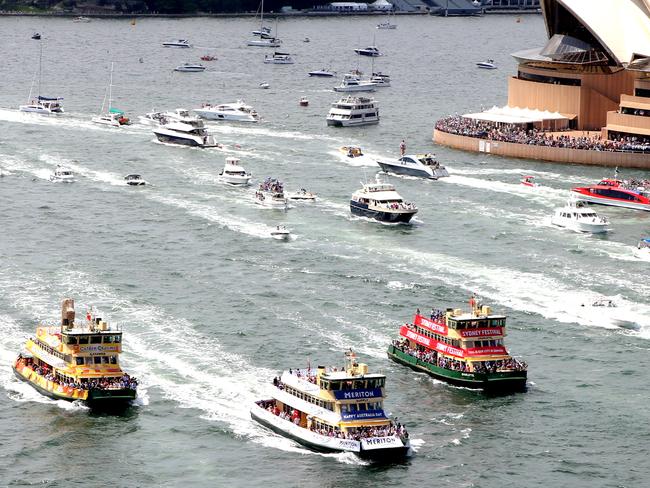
582, 98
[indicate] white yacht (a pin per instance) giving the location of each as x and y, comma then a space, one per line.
381, 202
234, 174
278, 58
380, 79
302, 195
182, 43
489, 64
420, 165
372, 51
236, 112
353, 111
352, 83
266, 38
271, 194
323, 73
62, 175
185, 134
190, 68
578, 217
41, 105
281, 233
270, 42
152, 118
134, 180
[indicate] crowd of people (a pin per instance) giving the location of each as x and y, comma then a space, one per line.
400, 206
515, 134
362, 432
272, 185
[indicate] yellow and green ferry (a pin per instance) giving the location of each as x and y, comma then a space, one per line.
461, 348
77, 361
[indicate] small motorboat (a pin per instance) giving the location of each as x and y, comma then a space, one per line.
271, 194
134, 180
529, 181
304, 102
386, 25
208, 57
489, 64
182, 43
604, 302
36, 36
190, 68
278, 58
81, 19
323, 73
642, 250
380, 79
234, 174
306, 39
62, 175
281, 233
351, 151
302, 195
576, 216
264, 85
371, 51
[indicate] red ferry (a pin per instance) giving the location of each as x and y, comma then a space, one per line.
616, 192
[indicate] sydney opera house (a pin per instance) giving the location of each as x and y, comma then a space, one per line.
582, 98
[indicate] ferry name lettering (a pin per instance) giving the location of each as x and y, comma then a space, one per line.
442, 347
480, 332
418, 338
433, 325
97, 348
348, 395
380, 440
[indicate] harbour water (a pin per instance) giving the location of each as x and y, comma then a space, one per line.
212, 307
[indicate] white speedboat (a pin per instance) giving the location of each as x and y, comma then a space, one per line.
190, 68
278, 58
62, 175
642, 250
236, 112
281, 233
323, 73
271, 194
264, 85
420, 165
380, 79
185, 134
302, 195
489, 64
303, 102
152, 118
134, 180
182, 43
353, 111
372, 51
381, 202
234, 174
352, 83
81, 19
262, 42
578, 217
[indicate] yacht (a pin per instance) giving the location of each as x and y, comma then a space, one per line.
62, 175
381, 202
380, 79
182, 43
576, 216
618, 193
278, 58
281, 233
271, 194
351, 83
323, 73
420, 165
113, 117
186, 134
236, 112
302, 195
489, 64
134, 180
353, 111
329, 409
179, 115
152, 118
234, 174
368, 51
190, 68
41, 105
266, 38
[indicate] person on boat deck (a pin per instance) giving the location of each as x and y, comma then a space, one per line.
350, 153
402, 147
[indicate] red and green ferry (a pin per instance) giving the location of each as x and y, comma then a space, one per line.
462, 348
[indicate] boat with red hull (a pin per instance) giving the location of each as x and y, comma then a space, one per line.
617, 193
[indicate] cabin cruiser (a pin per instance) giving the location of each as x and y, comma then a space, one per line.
529, 181
352, 83
134, 180
489, 64
302, 195
420, 165
265, 42
381, 202
330, 409
578, 217
178, 115
36, 36
152, 118
368, 51
643, 248
43, 105
236, 112
380, 79
182, 43
351, 151
303, 102
278, 58
281, 233
190, 68
234, 174
264, 32
353, 111
62, 175
184, 133
324, 73
271, 194
618, 193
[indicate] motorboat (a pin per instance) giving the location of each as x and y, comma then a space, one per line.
278, 58
62, 175
270, 42
234, 174
353, 111
303, 102
281, 233
81, 19
36, 36
323, 73
386, 25
302, 195
236, 112
351, 83
643, 248
186, 134
208, 57
528, 181
264, 31
351, 151
44, 106
134, 180
618, 193
380, 79
306, 39
576, 216
181, 43
190, 68
489, 64
371, 51
113, 117
420, 165
380, 201
271, 194
152, 118
264, 85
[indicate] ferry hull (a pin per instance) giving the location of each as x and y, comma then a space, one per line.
353, 123
388, 217
503, 382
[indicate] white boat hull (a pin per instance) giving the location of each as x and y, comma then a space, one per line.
353, 122
264, 43
228, 117
106, 121
236, 180
355, 88
40, 110
174, 137
591, 228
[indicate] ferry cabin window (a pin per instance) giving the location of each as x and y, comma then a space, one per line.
96, 339
113, 359
117, 338
69, 339
79, 361
97, 360
83, 339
